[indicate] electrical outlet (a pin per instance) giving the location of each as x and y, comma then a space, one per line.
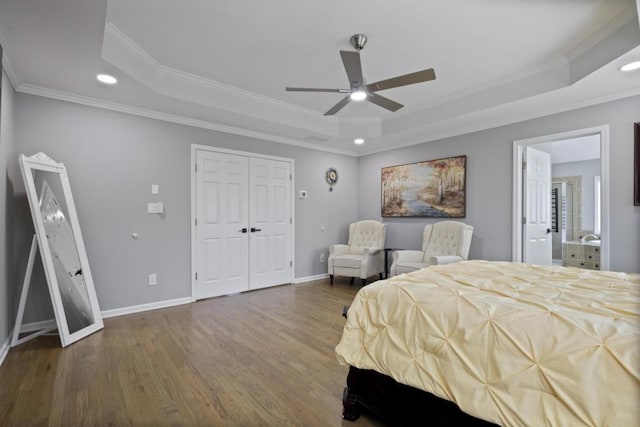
153, 279
322, 257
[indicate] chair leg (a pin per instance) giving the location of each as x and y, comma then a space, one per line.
364, 282
331, 279
351, 282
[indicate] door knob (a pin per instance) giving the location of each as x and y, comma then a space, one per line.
253, 229
548, 230
243, 230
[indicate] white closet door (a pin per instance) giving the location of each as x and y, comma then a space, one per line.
221, 213
270, 222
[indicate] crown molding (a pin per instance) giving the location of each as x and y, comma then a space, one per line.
172, 118
474, 122
6, 64
477, 93
125, 54
498, 116
603, 32
543, 80
112, 31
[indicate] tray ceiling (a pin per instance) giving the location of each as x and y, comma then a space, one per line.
224, 65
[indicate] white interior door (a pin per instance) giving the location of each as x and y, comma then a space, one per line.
270, 222
537, 242
221, 213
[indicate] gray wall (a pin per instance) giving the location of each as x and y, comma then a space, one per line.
489, 181
588, 170
113, 158
8, 176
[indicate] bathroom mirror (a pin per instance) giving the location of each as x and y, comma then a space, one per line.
62, 250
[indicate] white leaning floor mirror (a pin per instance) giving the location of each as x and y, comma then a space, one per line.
59, 241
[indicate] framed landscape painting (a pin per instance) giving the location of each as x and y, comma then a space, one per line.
430, 189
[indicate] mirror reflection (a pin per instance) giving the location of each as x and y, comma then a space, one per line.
66, 260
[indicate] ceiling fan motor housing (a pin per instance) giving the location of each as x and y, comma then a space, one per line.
358, 41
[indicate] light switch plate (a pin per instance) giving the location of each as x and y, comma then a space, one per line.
154, 189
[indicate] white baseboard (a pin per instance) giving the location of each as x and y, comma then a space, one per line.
38, 326
6, 345
310, 278
145, 307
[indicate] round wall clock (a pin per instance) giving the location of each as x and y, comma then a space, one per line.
332, 177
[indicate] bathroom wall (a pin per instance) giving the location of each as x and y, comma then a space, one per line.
588, 170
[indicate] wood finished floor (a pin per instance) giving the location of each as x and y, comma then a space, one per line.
262, 358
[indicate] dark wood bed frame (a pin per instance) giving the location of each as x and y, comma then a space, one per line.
398, 404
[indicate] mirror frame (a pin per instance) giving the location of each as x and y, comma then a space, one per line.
42, 162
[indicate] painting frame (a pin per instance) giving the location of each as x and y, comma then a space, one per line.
428, 189
636, 165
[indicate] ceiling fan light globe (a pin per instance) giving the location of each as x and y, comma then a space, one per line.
358, 95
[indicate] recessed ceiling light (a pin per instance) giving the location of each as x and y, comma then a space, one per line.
358, 95
358, 141
106, 79
631, 66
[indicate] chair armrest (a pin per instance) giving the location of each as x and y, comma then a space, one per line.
407, 256
371, 251
445, 259
338, 250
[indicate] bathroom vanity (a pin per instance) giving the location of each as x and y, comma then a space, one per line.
583, 253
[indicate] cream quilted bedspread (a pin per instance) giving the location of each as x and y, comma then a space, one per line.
515, 344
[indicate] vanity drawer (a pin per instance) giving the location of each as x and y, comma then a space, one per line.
592, 254
593, 265
574, 252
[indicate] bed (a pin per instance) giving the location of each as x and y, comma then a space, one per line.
498, 342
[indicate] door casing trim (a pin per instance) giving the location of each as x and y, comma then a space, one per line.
192, 174
518, 150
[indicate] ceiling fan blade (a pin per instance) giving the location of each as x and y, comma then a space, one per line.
339, 106
314, 89
353, 67
407, 79
384, 102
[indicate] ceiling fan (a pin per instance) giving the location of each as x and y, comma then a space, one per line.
359, 90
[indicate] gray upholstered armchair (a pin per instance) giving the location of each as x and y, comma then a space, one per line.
442, 243
363, 256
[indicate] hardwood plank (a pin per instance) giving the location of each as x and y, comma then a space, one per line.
264, 357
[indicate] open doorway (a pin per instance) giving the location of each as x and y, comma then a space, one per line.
578, 213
